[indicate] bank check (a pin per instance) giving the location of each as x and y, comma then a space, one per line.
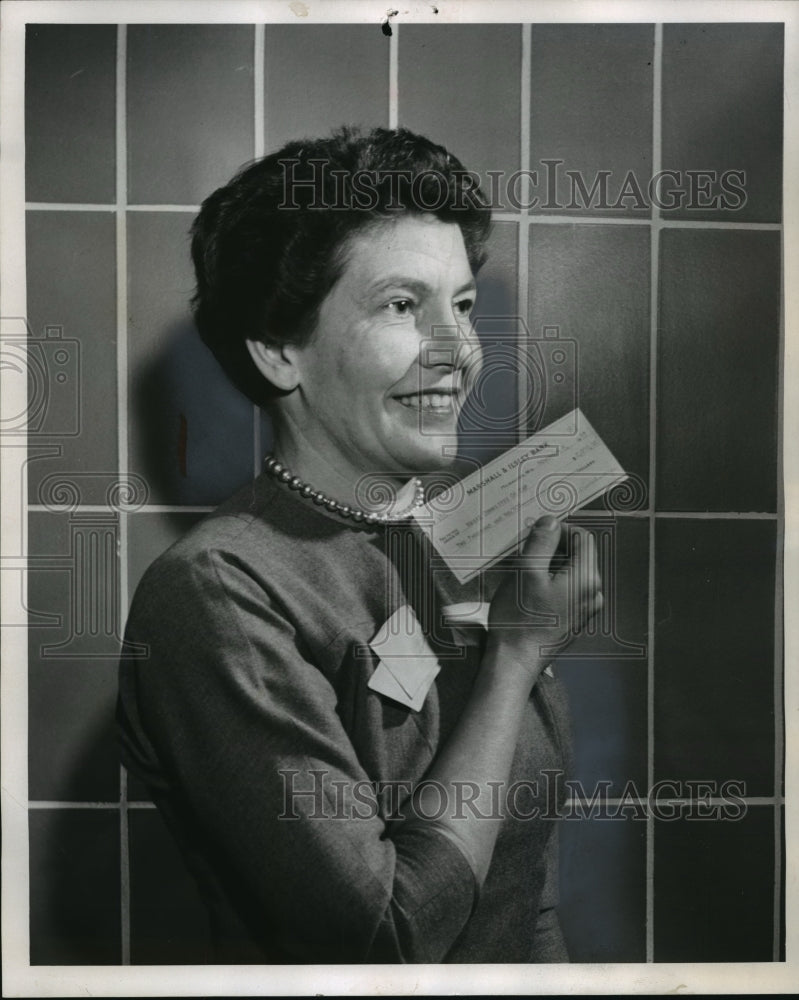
484, 517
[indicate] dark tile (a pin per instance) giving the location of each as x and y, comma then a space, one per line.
497, 287
603, 889
137, 790
459, 84
608, 710
489, 422
149, 534
188, 86
605, 672
74, 887
168, 920
73, 586
714, 652
717, 370
714, 889
72, 754
722, 113
591, 283
319, 76
190, 432
70, 102
72, 316
591, 108
73, 650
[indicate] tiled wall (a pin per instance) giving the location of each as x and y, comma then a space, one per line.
674, 316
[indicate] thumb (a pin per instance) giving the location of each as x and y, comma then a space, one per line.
542, 543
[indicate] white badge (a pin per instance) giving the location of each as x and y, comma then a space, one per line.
407, 666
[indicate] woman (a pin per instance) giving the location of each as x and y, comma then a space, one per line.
325, 819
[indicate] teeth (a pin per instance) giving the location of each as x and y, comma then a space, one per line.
427, 401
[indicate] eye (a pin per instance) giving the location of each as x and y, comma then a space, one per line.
402, 307
463, 307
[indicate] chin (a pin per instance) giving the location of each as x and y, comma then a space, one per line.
437, 453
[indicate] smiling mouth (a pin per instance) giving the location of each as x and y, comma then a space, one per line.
434, 402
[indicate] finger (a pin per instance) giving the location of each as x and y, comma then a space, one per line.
593, 605
541, 544
586, 555
578, 549
589, 578
563, 551
582, 562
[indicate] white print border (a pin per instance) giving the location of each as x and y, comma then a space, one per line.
19, 979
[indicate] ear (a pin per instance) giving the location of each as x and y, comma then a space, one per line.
276, 363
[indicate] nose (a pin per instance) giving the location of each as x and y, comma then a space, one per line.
452, 344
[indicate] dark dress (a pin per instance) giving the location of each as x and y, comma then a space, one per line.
278, 769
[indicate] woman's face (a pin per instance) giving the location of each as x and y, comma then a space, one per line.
393, 355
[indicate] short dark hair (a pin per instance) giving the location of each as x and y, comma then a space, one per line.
267, 247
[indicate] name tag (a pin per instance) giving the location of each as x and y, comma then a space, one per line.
485, 516
407, 665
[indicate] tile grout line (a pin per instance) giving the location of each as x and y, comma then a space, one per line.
95, 508
70, 206
720, 515
522, 215
57, 804
654, 250
259, 85
193, 209
715, 801
523, 232
720, 224
528, 218
259, 149
393, 77
779, 611
74, 206
124, 858
122, 435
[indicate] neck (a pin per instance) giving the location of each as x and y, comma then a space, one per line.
339, 480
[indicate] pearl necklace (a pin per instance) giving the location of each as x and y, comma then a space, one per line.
284, 475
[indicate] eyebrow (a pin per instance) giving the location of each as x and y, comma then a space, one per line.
414, 284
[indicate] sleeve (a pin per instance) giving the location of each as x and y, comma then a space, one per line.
246, 730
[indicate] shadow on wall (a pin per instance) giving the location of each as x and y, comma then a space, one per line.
490, 416
191, 433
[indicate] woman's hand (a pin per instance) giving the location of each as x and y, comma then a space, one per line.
546, 599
